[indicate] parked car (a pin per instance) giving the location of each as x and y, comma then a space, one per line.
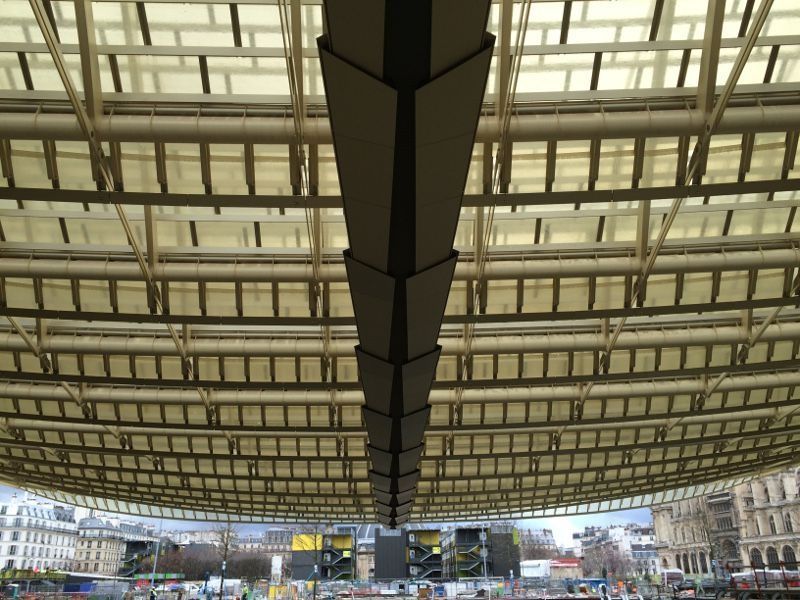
685, 585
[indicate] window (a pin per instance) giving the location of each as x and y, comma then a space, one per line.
703, 563
773, 530
755, 558
789, 558
97, 556
772, 558
787, 523
10, 563
12, 550
694, 563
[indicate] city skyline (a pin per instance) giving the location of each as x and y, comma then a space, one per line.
562, 527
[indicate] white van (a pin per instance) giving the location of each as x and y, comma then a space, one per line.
670, 577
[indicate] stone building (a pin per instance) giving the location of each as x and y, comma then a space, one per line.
537, 544
628, 549
699, 534
277, 541
750, 524
37, 535
101, 546
105, 545
770, 534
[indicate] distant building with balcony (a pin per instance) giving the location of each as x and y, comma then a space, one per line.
109, 546
537, 544
37, 535
278, 542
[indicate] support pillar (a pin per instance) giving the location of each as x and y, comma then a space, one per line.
404, 81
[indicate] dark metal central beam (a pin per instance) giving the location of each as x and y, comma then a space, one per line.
404, 81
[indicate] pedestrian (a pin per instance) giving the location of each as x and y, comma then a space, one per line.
245, 592
153, 594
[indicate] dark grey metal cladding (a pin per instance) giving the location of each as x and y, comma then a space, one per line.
379, 429
372, 293
393, 511
378, 378
426, 295
382, 460
447, 111
454, 38
356, 32
403, 497
384, 431
384, 497
408, 460
382, 482
363, 112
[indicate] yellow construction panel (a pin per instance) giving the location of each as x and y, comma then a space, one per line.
304, 542
342, 542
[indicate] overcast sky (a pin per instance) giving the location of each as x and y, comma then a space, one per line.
562, 527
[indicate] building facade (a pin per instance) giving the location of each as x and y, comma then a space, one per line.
489, 551
37, 535
101, 547
537, 544
771, 526
752, 524
619, 550
329, 555
278, 542
108, 546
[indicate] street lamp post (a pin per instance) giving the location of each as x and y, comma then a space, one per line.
155, 563
483, 552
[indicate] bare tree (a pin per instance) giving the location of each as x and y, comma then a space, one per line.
249, 565
706, 525
226, 538
535, 552
605, 561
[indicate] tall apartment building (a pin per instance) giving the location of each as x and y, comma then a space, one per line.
537, 544
106, 545
37, 535
251, 543
278, 542
751, 524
